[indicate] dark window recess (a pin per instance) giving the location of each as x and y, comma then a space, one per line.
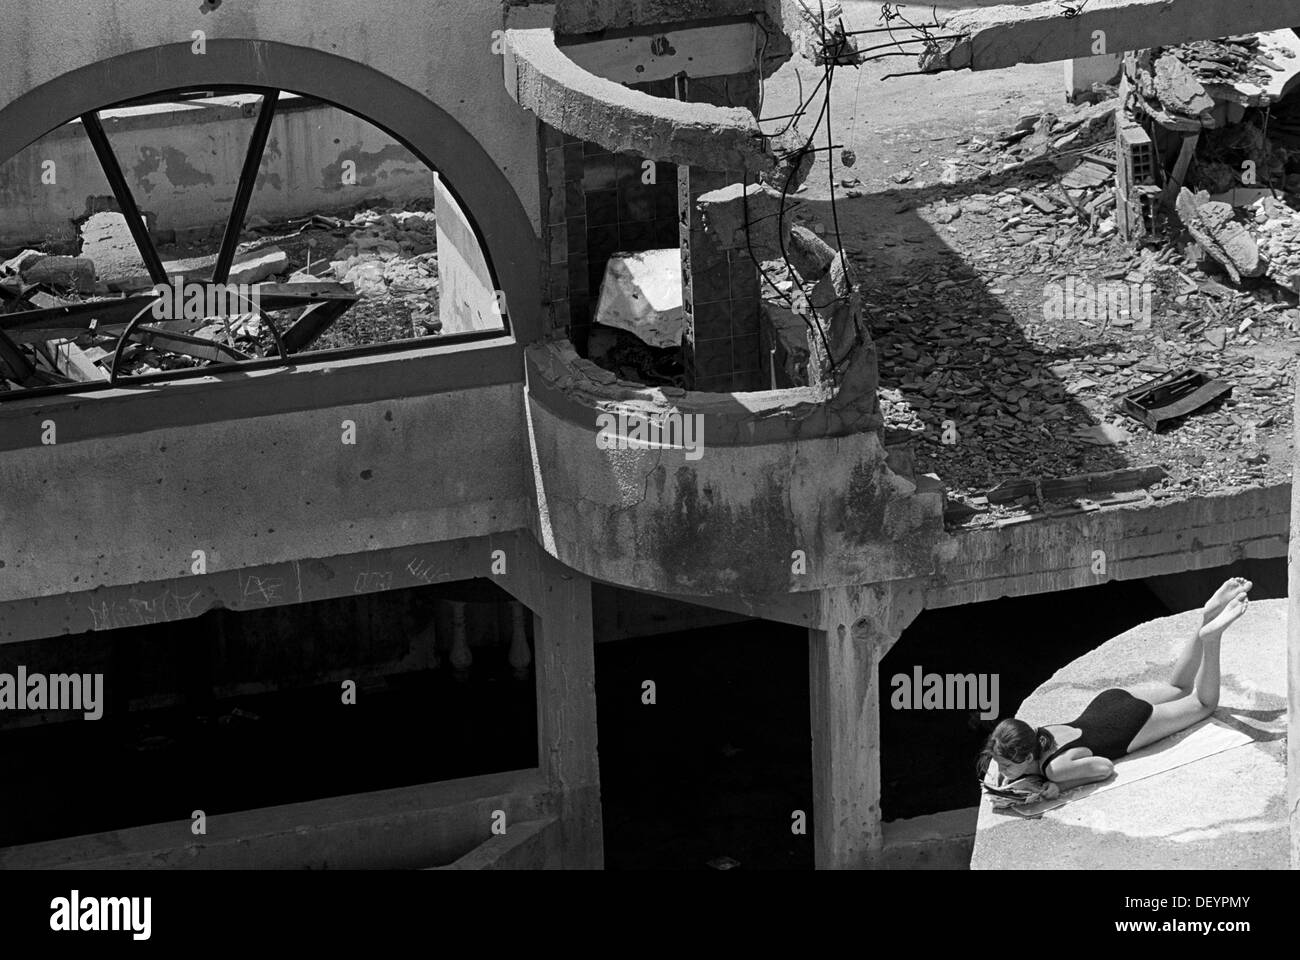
236, 711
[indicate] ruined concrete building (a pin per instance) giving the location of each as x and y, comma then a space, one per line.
615, 424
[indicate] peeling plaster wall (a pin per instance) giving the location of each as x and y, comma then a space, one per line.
182, 164
441, 50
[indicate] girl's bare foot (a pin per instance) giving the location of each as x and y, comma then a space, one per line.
1231, 588
1227, 616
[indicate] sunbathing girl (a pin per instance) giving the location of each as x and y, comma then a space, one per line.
1120, 721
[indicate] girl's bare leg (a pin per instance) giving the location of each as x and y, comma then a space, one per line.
1188, 664
1170, 717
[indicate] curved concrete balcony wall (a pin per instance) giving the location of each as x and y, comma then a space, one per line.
252, 469
778, 472
548, 83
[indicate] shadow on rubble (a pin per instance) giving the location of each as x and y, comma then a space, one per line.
951, 349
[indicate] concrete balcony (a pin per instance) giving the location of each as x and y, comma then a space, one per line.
785, 493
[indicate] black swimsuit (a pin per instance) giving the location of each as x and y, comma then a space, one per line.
1107, 725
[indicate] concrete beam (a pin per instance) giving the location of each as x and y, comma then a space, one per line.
405, 828
709, 51
1003, 36
594, 16
542, 79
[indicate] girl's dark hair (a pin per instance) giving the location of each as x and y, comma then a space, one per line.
1015, 740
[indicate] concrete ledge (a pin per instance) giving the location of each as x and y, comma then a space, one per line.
940, 841
544, 81
409, 827
530, 845
1226, 811
579, 390
1139, 541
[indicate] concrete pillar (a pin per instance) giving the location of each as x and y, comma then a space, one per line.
1293, 655
519, 657
566, 710
857, 627
460, 655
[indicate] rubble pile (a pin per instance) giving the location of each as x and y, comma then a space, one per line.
1037, 136
393, 256
1278, 237
389, 257
1041, 398
1226, 60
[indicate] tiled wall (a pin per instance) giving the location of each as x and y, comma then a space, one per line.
721, 298
600, 205
721, 288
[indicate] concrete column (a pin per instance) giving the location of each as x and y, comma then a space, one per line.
1293, 655
460, 655
520, 657
857, 628
566, 710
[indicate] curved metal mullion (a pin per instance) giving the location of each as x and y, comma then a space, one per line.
122, 192
244, 192
122, 341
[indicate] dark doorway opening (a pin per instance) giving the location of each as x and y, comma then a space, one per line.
712, 772
234, 711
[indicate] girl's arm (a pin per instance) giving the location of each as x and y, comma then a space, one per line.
1079, 766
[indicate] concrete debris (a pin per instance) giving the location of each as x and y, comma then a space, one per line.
106, 240
819, 37
1176, 87
62, 273
741, 217
811, 255
794, 161
1277, 227
16, 264
642, 293
406, 233
1215, 227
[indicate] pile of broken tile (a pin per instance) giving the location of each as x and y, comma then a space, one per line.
1035, 398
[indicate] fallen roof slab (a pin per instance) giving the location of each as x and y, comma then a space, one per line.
543, 80
1003, 36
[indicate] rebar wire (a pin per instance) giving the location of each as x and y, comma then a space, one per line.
832, 58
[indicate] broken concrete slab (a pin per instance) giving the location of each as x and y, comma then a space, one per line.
1007, 35
810, 254
747, 218
106, 239
1215, 227
251, 267
65, 273
794, 161
17, 263
1178, 89
642, 294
